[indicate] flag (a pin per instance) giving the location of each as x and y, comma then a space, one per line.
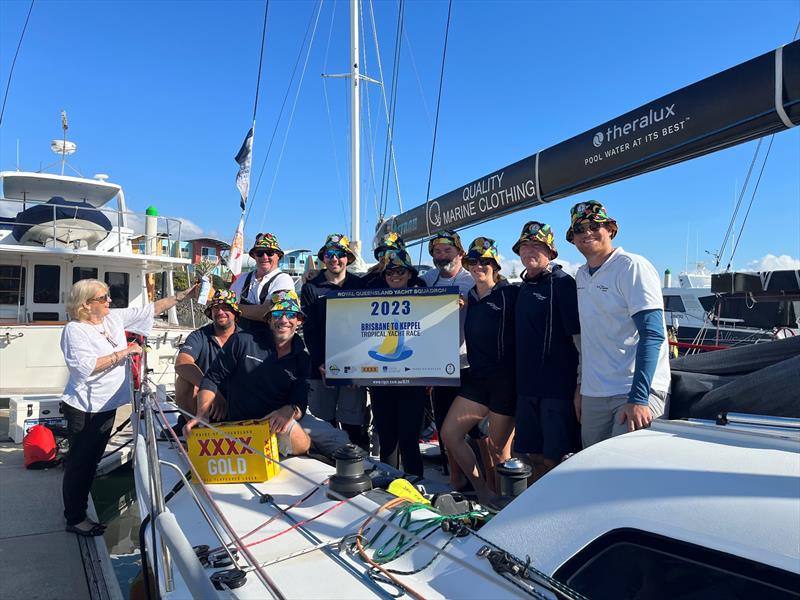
244, 158
237, 250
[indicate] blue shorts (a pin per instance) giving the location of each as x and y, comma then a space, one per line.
546, 426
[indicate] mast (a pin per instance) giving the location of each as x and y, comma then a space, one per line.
355, 141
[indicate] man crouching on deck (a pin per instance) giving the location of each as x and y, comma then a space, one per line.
266, 376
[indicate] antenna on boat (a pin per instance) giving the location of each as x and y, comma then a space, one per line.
62, 146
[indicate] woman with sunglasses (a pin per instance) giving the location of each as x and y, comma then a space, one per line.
487, 388
96, 352
398, 410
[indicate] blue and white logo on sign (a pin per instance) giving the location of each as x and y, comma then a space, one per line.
393, 347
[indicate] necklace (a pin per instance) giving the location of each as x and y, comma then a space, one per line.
105, 333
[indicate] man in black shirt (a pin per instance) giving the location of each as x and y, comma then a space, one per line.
200, 349
343, 405
266, 374
547, 352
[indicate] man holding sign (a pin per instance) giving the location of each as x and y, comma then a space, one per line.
343, 405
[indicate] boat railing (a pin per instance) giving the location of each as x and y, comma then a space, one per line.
168, 229
173, 543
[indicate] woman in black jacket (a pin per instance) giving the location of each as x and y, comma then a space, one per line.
489, 385
398, 410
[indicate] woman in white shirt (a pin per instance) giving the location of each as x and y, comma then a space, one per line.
96, 352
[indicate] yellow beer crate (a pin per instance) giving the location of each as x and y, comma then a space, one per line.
220, 459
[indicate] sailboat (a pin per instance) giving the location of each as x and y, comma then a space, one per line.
338, 527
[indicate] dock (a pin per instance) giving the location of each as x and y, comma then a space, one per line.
38, 559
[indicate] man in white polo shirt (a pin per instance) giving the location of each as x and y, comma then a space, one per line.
625, 375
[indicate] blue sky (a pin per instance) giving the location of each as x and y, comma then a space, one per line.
160, 94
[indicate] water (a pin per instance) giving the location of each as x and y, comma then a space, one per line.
115, 501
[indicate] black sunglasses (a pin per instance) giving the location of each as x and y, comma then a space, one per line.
268, 252
578, 229
484, 262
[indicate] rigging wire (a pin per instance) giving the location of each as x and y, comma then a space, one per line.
280, 114
392, 108
749, 206
291, 115
330, 120
261, 58
367, 128
14, 61
385, 104
732, 223
436, 124
718, 255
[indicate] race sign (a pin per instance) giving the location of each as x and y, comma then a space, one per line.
393, 337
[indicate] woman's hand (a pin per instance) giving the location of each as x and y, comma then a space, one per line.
192, 291
133, 348
461, 302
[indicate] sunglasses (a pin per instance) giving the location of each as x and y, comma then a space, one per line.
484, 262
578, 229
396, 272
289, 314
101, 299
269, 253
329, 254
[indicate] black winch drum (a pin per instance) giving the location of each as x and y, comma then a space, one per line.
350, 479
513, 477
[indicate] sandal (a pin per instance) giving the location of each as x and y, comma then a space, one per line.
96, 530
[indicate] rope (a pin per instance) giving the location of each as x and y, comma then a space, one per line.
436, 121
14, 62
457, 560
390, 504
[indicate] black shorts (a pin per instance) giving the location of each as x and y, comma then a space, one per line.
546, 426
498, 394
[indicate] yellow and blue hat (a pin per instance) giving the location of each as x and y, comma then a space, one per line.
390, 241
590, 211
536, 231
285, 300
223, 298
337, 241
266, 241
446, 236
483, 247
394, 259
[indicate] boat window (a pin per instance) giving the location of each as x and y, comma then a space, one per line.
118, 285
12, 284
46, 284
674, 304
660, 567
79, 273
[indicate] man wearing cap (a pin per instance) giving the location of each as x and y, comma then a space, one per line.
446, 250
257, 286
200, 349
547, 346
265, 374
625, 366
345, 406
